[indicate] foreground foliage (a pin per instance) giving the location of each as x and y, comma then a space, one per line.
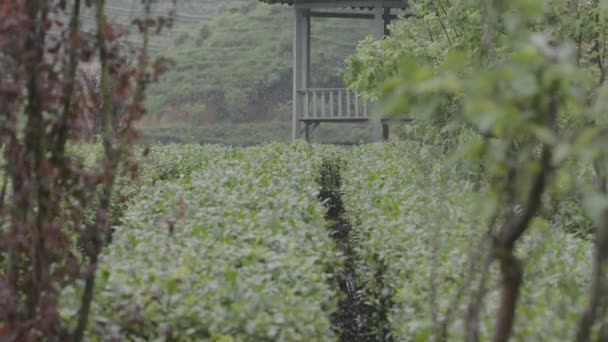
419, 222
526, 79
54, 210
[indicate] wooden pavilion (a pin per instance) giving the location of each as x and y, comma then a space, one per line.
313, 106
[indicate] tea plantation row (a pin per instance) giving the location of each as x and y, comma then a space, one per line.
220, 244
225, 244
419, 223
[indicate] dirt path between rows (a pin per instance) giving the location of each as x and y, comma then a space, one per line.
354, 320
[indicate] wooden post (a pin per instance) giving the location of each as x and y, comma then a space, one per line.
301, 65
387, 21
379, 31
387, 32
307, 131
379, 25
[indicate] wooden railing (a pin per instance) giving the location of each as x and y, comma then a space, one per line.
334, 104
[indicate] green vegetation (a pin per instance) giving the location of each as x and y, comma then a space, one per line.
247, 134
419, 222
518, 90
222, 244
223, 134
235, 248
488, 223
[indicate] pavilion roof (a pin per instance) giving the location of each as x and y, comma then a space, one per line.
346, 3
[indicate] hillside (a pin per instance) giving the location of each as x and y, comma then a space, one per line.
233, 68
237, 67
190, 13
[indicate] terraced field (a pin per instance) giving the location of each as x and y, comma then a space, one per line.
190, 13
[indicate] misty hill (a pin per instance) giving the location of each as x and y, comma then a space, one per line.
233, 69
190, 13
237, 66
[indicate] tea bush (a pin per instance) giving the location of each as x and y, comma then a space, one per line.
235, 250
217, 243
420, 226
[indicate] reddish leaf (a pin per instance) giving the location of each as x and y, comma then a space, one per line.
4, 6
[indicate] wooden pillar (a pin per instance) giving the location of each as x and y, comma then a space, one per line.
379, 31
379, 19
307, 131
301, 65
387, 21
385, 131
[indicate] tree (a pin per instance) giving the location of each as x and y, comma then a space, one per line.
46, 192
521, 85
